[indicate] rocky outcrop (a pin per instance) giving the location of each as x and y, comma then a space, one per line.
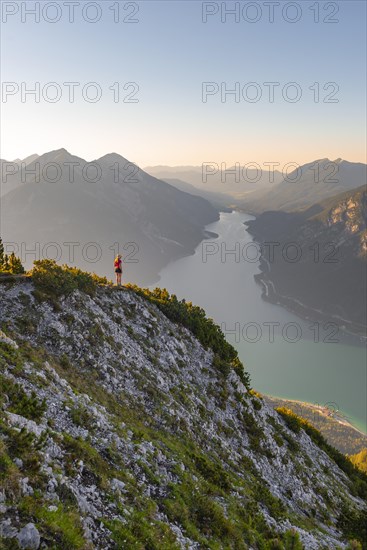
119, 430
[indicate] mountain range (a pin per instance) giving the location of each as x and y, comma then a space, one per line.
259, 191
60, 205
60, 198
308, 185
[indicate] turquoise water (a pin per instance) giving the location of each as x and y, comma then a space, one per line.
293, 358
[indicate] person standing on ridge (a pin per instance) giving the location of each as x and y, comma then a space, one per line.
118, 269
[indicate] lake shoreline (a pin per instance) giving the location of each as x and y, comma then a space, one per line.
269, 294
304, 311
323, 410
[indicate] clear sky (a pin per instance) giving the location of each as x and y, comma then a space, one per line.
169, 52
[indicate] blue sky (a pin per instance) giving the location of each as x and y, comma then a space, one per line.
169, 53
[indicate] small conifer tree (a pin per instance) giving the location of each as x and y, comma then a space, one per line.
15, 265
5, 266
10, 264
292, 540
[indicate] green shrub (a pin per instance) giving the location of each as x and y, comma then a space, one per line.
212, 472
291, 419
278, 440
9, 474
222, 366
24, 445
55, 280
142, 532
293, 446
78, 449
210, 518
10, 264
354, 545
82, 417
273, 504
292, 540
9, 544
61, 526
65, 362
352, 522
257, 404
20, 403
9, 356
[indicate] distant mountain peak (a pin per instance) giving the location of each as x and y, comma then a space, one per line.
61, 151
26, 160
59, 155
112, 157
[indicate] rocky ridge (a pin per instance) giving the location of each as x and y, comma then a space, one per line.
119, 430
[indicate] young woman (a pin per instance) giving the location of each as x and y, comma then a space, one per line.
118, 269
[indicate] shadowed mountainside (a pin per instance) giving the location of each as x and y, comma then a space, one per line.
61, 198
317, 262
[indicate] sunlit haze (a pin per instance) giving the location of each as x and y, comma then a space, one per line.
168, 53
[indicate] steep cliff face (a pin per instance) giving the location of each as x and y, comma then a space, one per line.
319, 260
119, 430
349, 217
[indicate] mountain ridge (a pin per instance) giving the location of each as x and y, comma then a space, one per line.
318, 180
144, 437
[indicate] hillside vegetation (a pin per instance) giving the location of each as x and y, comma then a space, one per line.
360, 460
128, 422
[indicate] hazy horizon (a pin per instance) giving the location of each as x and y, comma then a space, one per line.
181, 166
263, 162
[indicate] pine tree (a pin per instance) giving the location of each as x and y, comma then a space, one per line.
15, 265
10, 264
292, 540
5, 266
